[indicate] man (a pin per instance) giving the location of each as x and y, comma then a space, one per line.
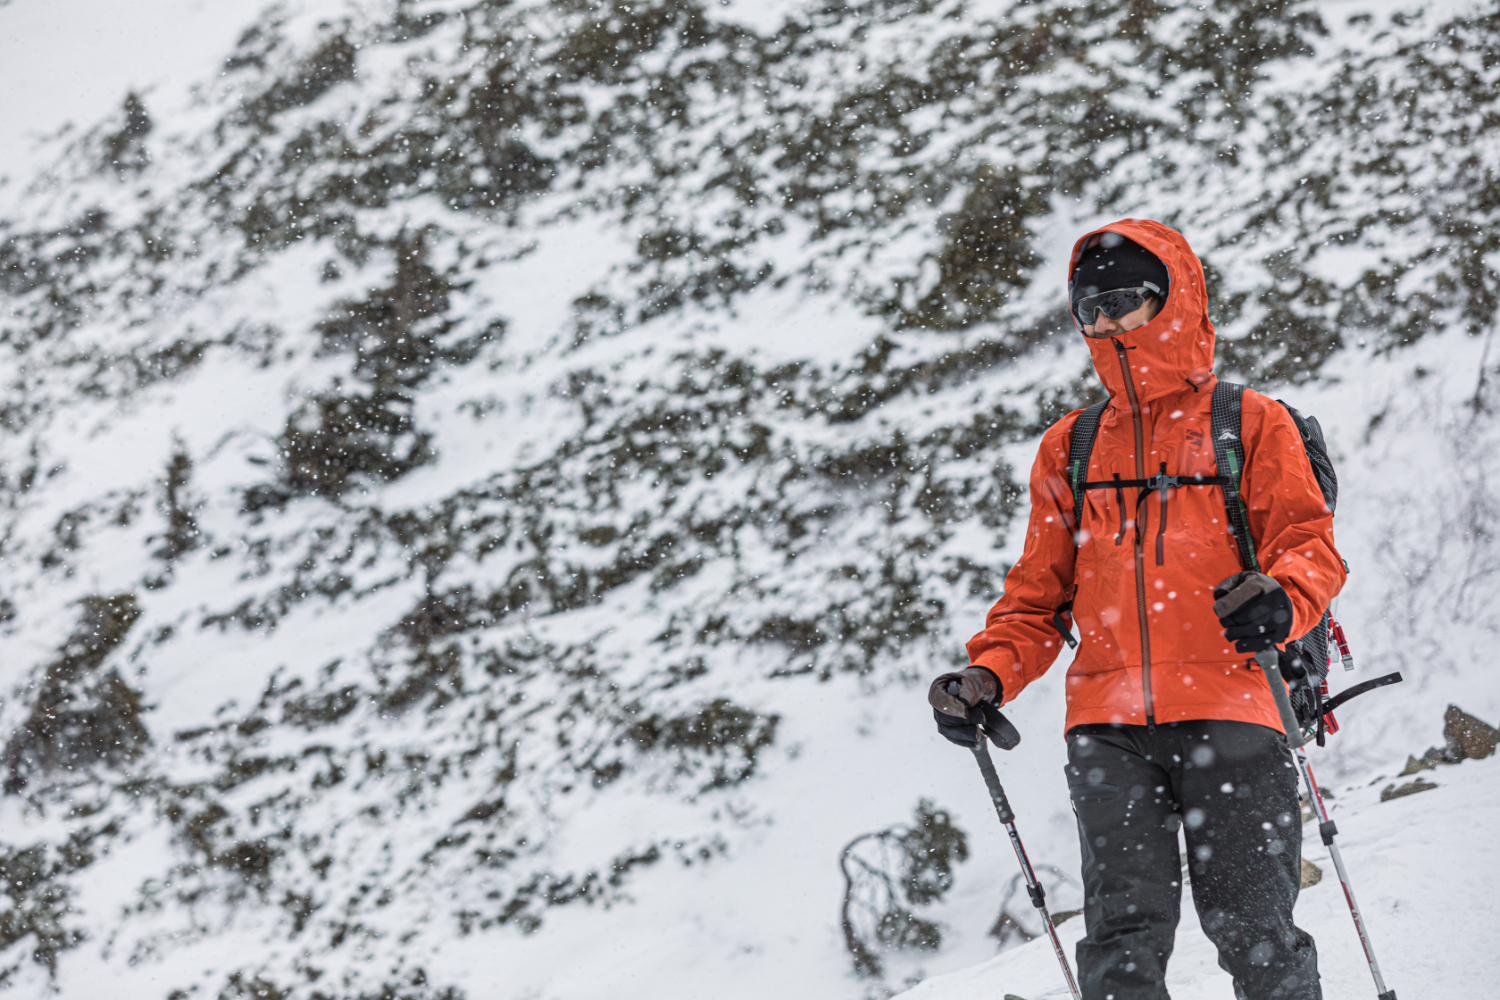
1170, 722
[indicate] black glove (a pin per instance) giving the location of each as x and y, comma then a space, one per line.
1254, 611
1303, 687
1293, 667
964, 730
965, 702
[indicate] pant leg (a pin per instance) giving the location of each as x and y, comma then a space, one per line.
1238, 787
1132, 875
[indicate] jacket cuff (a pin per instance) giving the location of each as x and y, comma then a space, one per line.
999, 698
1305, 614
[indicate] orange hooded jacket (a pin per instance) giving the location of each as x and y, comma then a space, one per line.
1151, 649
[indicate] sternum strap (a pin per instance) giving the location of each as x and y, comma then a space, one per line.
1161, 482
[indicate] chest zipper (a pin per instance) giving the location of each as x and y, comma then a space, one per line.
1140, 548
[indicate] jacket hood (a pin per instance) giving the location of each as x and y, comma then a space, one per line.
1175, 350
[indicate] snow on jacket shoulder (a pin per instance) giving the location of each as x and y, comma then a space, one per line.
1142, 565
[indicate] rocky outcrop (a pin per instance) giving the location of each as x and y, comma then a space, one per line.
1466, 738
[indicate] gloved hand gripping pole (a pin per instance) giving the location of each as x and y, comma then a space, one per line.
1296, 739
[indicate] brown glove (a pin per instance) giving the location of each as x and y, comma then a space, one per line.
972, 705
976, 684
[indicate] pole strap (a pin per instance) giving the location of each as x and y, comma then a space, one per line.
1361, 688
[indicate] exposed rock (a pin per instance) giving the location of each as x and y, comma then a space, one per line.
1467, 736
1414, 764
1058, 918
1311, 874
1392, 791
1435, 756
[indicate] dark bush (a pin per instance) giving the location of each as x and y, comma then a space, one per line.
125, 151
335, 443
397, 333
727, 736
332, 64
889, 872
986, 254
81, 716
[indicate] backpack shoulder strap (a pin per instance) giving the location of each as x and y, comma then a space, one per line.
1229, 455
1079, 450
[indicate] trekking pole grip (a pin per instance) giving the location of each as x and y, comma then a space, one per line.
992, 781
1270, 663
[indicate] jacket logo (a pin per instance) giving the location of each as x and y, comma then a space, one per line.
1195, 438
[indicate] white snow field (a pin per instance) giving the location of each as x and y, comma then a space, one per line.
484, 485
1422, 867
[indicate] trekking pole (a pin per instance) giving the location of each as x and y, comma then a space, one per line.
1033, 887
1296, 740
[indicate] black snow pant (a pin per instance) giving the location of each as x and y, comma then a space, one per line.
1232, 788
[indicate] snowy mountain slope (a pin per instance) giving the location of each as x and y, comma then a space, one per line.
1422, 870
480, 481
66, 64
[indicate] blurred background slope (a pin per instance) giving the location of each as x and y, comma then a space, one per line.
482, 483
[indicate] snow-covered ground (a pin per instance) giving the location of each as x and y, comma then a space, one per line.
1423, 869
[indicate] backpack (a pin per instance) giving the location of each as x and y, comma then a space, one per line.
1305, 660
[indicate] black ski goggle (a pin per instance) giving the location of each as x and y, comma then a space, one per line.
1114, 303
